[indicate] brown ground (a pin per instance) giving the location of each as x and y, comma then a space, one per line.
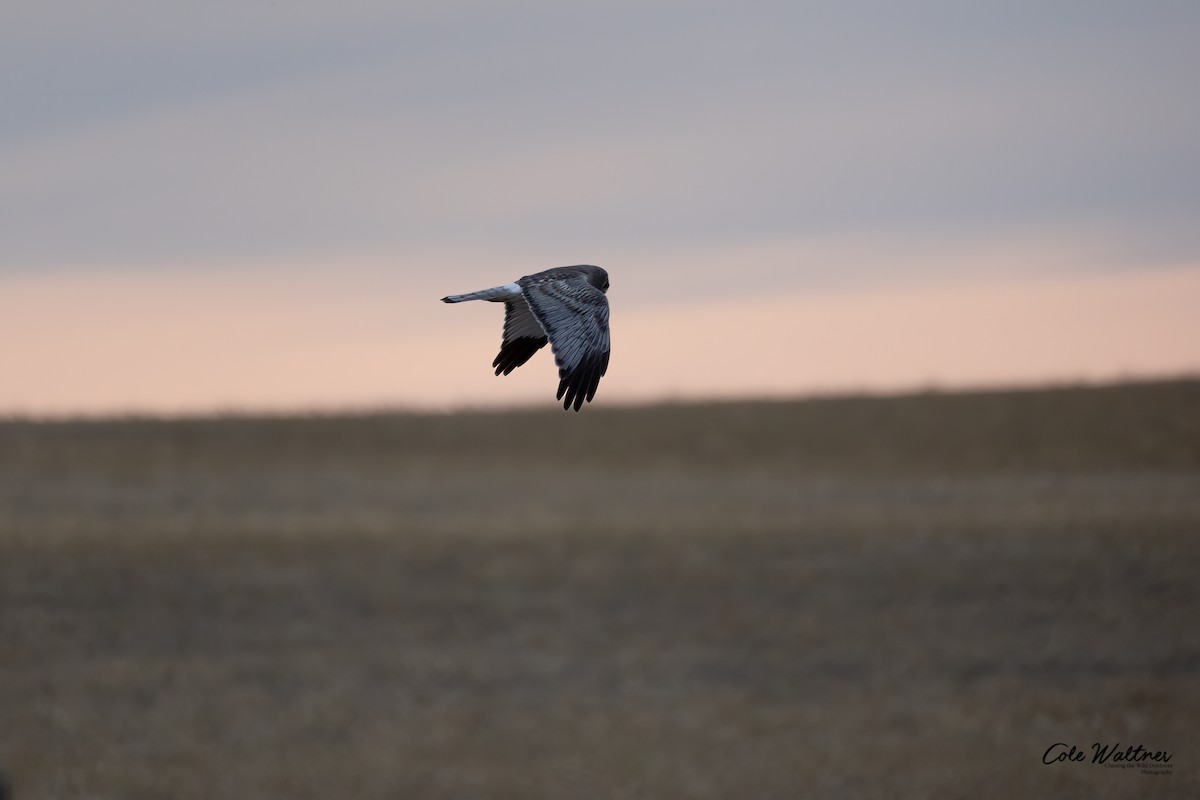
859, 598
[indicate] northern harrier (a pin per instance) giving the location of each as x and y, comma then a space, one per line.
565, 306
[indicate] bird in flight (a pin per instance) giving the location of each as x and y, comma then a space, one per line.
565, 306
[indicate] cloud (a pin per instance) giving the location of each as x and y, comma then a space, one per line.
191, 134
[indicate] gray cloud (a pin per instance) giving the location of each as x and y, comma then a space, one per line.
176, 133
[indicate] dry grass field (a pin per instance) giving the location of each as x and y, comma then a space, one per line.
835, 598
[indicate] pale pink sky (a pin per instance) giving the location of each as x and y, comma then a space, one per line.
158, 343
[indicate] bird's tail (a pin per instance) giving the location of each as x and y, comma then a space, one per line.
495, 294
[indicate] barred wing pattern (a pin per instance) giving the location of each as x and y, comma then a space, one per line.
574, 315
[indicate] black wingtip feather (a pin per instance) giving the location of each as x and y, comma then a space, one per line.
579, 385
587, 385
515, 353
601, 368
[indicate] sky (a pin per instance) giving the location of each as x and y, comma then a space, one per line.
256, 205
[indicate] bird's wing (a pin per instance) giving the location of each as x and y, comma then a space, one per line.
523, 336
574, 315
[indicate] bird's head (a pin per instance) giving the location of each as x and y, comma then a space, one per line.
597, 277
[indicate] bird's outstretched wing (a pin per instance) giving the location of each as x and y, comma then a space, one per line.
523, 336
574, 315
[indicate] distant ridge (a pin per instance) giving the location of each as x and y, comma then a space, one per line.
534, 407
1111, 427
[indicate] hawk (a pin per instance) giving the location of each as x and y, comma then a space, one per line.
565, 306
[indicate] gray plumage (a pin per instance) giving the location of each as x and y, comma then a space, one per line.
566, 306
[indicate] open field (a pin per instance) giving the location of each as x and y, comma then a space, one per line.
859, 598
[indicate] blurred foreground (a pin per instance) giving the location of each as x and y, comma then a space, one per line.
873, 598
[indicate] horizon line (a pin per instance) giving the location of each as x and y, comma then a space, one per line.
366, 411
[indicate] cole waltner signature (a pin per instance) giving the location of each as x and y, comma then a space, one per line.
1102, 753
